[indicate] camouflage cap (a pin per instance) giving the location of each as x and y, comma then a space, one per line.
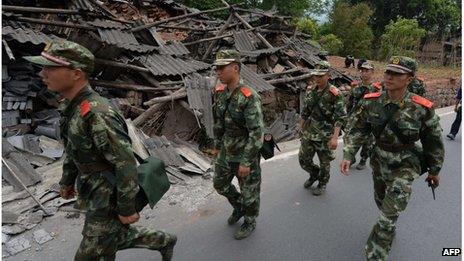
402, 64
225, 57
321, 68
65, 53
367, 65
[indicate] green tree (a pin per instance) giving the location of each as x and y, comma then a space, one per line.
294, 8
331, 44
351, 25
401, 38
440, 16
308, 26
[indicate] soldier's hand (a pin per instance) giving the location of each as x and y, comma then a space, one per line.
130, 219
67, 192
333, 142
345, 166
243, 171
435, 180
215, 152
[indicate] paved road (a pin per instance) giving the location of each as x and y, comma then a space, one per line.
295, 225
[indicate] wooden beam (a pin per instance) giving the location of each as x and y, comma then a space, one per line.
55, 23
290, 79
131, 86
121, 65
166, 98
268, 75
139, 28
15, 8
247, 24
214, 42
215, 38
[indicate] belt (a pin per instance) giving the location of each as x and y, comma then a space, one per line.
93, 167
394, 147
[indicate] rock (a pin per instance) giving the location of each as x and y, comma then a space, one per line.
13, 229
41, 236
17, 245
5, 238
207, 175
72, 215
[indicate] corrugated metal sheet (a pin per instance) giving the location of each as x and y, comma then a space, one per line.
254, 80
176, 49
162, 148
168, 65
83, 5
243, 42
309, 53
124, 39
199, 98
107, 24
24, 35
256, 53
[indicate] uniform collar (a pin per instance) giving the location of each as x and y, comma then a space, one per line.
72, 104
399, 102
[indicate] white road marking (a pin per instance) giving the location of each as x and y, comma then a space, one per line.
291, 153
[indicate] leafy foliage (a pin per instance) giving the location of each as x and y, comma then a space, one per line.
401, 38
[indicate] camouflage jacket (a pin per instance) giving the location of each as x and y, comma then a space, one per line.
322, 111
96, 140
417, 86
415, 120
358, 92
238, 124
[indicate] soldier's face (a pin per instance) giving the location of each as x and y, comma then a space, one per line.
366, 74
227, 73
396, 81
58, 79
321, 80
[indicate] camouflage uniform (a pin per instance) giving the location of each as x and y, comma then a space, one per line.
98, 153
417, 86
356, 95
394, 161
323, 110
238, 130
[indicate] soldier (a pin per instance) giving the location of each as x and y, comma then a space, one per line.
397, 119
322, 117
356, 95
238, 130
417, 85
97, 148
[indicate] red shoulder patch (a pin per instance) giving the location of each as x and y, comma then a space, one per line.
246, 91
420, 78
220, 88
377, 85
372, 95
354, 83
422, 101
85, 107
334, 91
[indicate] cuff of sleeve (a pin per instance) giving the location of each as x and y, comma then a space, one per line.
347, 156
66, 183
126, 209
433, 173
245, 163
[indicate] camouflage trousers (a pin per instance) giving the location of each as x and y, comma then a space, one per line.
392, 191
247, 200
103, 236
306, 154
366, 149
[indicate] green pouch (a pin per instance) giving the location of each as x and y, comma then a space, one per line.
267, 150
153, 182
152, 178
